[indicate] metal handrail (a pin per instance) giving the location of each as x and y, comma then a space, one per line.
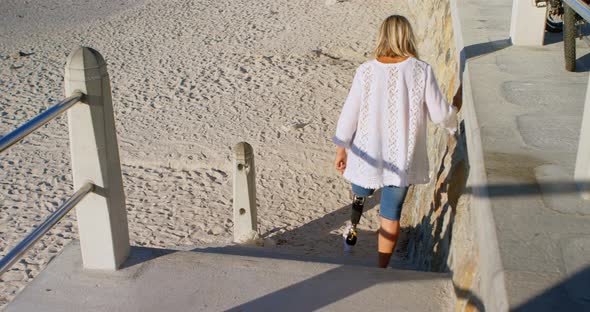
16, 253
85, 70
41, 119
580, 7
12, 138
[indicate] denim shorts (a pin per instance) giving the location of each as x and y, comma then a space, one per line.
392, 199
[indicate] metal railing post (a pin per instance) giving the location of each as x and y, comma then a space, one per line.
245, 223
527, 24
102, 218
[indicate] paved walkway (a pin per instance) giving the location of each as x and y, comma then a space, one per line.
165, 280
527, 111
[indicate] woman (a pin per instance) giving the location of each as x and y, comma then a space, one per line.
383, 127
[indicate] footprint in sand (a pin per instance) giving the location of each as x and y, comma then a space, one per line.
295, 125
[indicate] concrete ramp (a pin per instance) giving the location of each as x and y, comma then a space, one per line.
167, 280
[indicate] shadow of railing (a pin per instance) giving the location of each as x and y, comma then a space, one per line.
529, 189
321, 231
484, 48
480, 49
315, 292
139, 255
570, 295
327, 288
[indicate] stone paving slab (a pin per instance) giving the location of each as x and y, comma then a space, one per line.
527, 114
166, 280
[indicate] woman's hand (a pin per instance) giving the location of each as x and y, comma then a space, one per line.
340, 162
458, 98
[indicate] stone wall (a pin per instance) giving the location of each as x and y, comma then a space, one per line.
436, 220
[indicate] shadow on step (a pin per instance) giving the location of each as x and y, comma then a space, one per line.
322, 236
332, 286
262, 252
569, 295
335, 284
315, 241
530, 189
138, 255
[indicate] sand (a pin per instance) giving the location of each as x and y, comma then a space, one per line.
190, 79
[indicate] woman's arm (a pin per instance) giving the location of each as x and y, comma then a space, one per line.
439, 110
348, 120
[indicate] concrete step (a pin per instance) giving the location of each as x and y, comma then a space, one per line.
348, 258
168, 280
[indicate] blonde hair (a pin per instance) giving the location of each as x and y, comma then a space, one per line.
396, 38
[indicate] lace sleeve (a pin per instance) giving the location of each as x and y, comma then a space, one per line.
439, 110
348, 120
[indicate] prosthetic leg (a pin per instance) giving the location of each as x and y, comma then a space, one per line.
350, 234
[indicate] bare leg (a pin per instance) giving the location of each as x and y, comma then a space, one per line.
388, 235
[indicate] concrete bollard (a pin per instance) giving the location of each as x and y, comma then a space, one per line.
582, 171
102, 218
527, 25
245, 224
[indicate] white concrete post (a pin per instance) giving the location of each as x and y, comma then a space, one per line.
527, 25
245, 224
582, 171
102, 218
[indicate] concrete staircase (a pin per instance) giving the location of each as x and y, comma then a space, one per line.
232, 279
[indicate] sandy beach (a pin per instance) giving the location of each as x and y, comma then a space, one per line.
190, 79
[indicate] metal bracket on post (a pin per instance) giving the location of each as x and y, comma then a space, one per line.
245, 224
102, 217
527, 27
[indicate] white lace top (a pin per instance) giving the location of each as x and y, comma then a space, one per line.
383, 123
